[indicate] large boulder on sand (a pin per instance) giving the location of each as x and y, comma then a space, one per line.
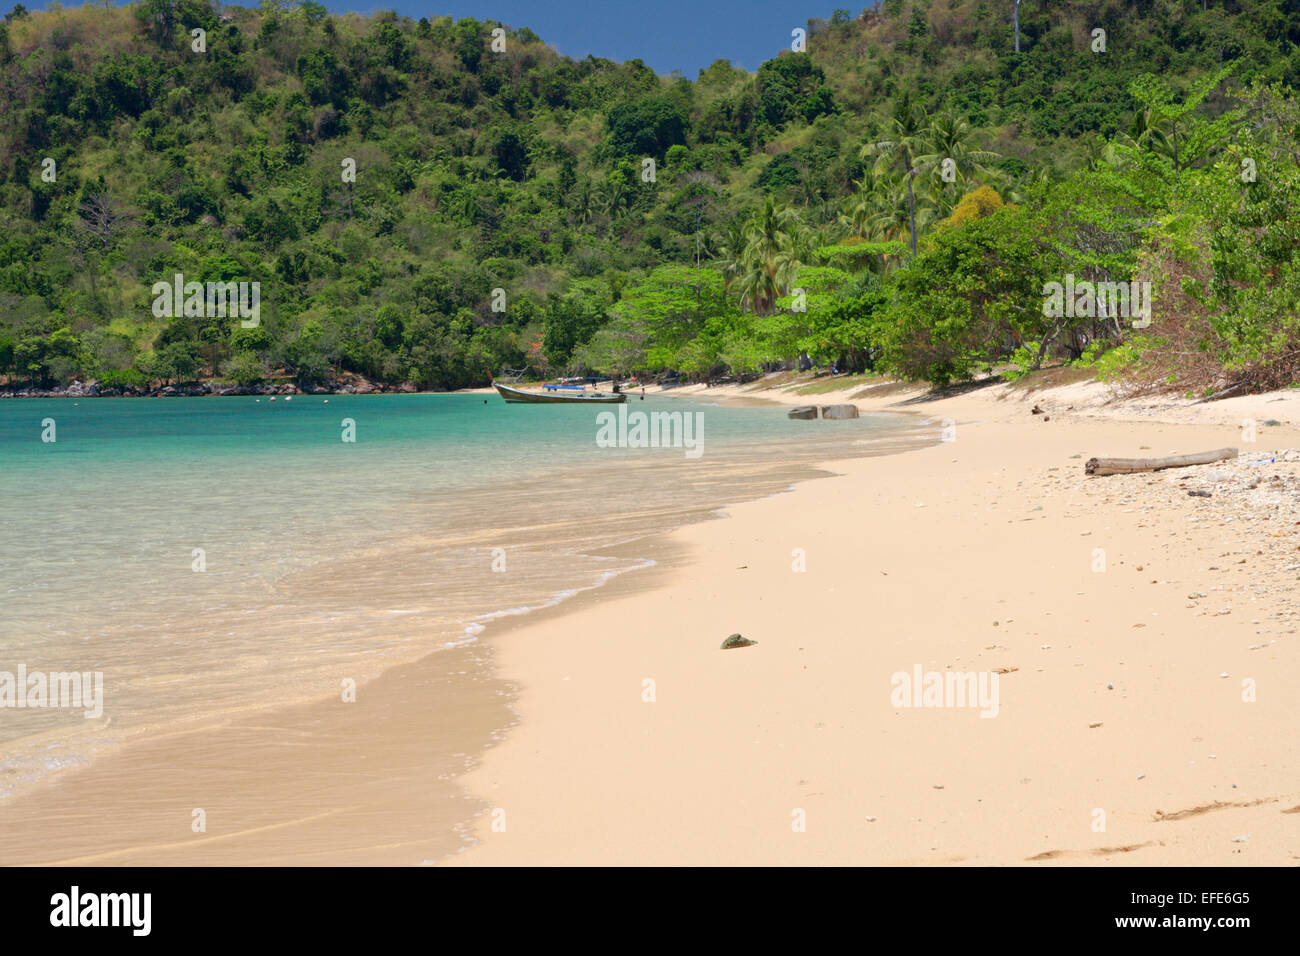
803, 412
839, 411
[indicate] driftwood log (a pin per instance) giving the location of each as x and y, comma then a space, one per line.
1127, 466
1227, 392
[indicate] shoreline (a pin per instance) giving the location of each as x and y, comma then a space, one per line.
276, 824
542, 715
1120, 703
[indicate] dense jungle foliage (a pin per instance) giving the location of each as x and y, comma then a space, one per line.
898, 195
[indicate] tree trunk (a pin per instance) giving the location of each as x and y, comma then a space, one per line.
1127, 466
911, 211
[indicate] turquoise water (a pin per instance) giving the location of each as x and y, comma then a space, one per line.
213, 555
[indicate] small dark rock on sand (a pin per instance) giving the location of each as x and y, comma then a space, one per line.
735, 640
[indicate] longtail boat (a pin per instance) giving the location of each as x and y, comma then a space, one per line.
557, 396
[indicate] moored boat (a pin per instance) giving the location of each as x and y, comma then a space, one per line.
557, 396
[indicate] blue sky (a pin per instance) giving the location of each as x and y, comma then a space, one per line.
685, 35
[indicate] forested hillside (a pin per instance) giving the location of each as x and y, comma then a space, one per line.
431, 201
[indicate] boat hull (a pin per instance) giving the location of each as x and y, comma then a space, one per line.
523, 397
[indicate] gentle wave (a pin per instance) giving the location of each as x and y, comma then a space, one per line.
322, 562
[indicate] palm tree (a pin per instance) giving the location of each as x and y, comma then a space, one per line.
1095, 151
804, 243
901, 151
758, 287
615, 194
949, 138
768, 258
582, 201
920, 146
898, 214
1017, 190
731, 249
1144, 133
881, 211
866, 203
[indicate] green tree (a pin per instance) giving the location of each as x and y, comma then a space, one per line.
179, 361
570, 321
1173, 129
970, 298
647, 127
245, 368
511, 155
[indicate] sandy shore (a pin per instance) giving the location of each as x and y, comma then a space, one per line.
612, 729
1144, 641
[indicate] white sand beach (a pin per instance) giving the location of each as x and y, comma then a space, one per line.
1122, 735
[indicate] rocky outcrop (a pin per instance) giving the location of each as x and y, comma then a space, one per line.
803, 412
83, 390
346, 383
839, 411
